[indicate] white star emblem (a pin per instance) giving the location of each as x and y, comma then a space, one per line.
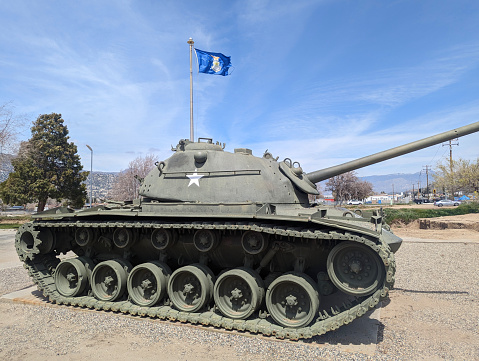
194, 178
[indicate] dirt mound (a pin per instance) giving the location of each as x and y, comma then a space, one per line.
438, 223
462, 227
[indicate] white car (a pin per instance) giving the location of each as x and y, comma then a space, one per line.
354, 203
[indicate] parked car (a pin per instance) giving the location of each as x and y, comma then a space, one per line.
446, 202
16, 208
355, 203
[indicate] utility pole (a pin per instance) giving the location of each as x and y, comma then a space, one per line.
91, 174
393, 193
450, 144
428, 168
451, 164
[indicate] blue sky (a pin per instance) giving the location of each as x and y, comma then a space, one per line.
320, 82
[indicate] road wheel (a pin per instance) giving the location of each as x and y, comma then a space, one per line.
293, 300
108, 280
147, 283
191, 287
238, 293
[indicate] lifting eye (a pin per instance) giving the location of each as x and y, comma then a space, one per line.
160, 166
297, 170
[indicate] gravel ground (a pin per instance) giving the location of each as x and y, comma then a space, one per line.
54, 333
13, 279
433, 314
433, 311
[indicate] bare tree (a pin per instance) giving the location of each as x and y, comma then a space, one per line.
341, 186
127, 183
347, 186
362, 190
10, 126
313, 197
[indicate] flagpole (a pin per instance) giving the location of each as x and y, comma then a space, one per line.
191, 42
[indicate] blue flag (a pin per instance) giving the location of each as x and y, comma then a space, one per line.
213, 63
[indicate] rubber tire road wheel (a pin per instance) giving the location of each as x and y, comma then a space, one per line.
190, 288
109, 278
238, 293
72, 276
293, 300
147, 283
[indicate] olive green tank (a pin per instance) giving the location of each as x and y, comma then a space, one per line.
222, 239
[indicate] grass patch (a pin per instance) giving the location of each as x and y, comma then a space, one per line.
9, 225
409, 215
20, 218
13, 222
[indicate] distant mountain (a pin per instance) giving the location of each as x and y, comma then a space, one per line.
102, 183
402, 181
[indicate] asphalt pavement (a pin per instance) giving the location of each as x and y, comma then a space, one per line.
8, 254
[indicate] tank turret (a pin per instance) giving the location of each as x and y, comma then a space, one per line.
203, 172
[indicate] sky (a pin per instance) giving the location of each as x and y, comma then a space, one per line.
319, 82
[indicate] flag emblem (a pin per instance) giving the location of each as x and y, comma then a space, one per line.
216, 64
213, 63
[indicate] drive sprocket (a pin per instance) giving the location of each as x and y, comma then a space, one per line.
30, 242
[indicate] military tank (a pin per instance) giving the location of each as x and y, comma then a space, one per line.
222, 239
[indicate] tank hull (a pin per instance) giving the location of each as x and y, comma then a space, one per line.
253, 263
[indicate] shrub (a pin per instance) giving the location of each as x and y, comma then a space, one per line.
406, 216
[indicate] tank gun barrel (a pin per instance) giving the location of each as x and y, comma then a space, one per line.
327, 173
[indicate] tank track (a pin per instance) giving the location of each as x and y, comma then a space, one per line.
41, 268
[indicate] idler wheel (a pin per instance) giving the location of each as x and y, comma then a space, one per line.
109, 278
161, 239
147, 283
238, 293
355, 269
254, 242
191, 287
205, 240
123, 237
84, 236
293, 300
72, 276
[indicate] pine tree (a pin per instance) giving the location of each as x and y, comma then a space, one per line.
47, 166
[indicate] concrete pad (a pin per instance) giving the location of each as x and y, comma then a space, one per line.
30, 295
